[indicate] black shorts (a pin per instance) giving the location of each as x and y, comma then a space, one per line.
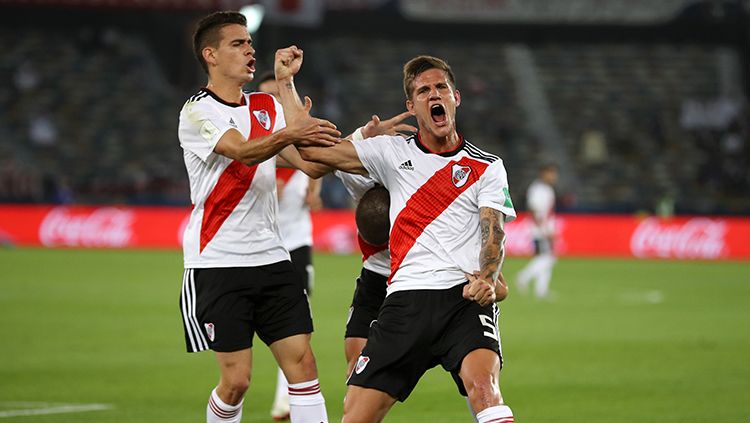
417, 330
302, 262
222, 308
542, 246
368, 297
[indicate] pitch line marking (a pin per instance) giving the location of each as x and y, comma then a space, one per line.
42, 408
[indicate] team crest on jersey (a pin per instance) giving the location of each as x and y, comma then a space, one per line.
210, 331
460, 175
263, 118
361, 364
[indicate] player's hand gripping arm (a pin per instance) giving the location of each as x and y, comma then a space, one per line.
303, 130
481, 288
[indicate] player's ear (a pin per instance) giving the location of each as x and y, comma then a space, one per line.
410, 106
457, 93
209, 55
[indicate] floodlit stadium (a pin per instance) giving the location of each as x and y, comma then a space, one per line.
642, 107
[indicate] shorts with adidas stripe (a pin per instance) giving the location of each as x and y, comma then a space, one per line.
418, 329
222, 308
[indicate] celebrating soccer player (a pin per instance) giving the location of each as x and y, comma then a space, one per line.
238, 278
449, 201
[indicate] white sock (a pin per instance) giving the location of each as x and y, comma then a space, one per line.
220, 412
529, 272
282, 389
544, 274
496, 414
307, 404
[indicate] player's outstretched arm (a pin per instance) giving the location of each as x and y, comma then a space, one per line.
491, 255
311, 131
344, 156
290, 157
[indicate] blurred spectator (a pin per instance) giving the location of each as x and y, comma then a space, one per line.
42, 130
593, 147
26, 77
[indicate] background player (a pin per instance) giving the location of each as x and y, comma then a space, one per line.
540, 201
238, 279
449, 201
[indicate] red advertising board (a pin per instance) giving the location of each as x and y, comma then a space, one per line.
598, 235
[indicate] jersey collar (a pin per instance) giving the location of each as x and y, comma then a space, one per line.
444, 154
220, 100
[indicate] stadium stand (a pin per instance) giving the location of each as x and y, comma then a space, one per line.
95, 122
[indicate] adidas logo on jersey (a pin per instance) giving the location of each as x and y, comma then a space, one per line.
231, 122
406, 165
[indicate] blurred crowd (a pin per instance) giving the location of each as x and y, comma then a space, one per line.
636, 127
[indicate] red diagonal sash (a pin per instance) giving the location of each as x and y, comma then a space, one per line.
425, 205
237, 177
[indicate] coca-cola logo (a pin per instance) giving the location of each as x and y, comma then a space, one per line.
698, 238
102, 227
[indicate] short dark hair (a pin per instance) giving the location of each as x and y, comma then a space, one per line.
208, 30
420, 64
371, 215
548, 166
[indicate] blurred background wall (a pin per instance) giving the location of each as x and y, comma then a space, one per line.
643, 104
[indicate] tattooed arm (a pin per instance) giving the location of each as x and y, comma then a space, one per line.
482, 286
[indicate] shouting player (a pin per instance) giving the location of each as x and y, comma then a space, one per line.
449, 201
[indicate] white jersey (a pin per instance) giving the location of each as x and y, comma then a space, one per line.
374, 258
233, 221
540, 200
435, 199
295, 222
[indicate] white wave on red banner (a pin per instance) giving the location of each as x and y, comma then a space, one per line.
698, 238
103, 227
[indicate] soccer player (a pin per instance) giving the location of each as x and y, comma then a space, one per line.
540, 201
297, 194
448, 204
238, 279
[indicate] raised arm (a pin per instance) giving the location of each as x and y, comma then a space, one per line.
481, 287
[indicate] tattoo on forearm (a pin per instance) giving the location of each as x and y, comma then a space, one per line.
493, 239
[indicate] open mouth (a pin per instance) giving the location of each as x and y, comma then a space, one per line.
437, 111
251, 65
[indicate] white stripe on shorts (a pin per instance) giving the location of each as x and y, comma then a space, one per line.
187, 302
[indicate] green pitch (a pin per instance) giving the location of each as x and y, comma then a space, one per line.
623, 341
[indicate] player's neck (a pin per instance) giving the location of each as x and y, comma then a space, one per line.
439, 145
229, 91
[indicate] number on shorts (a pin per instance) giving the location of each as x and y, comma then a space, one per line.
489, 323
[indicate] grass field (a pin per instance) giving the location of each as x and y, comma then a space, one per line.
623, 341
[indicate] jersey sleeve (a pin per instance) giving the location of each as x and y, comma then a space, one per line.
356, 185
201, 127
280, 119
376, 156
494, 191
